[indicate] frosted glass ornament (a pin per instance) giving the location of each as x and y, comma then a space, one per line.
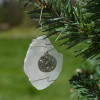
42, 63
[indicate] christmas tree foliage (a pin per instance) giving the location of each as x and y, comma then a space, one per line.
74, 22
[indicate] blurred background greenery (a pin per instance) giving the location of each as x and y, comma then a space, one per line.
16, 33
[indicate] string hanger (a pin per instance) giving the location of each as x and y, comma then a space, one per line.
37, 31
41, 15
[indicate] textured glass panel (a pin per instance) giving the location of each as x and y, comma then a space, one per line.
42, 63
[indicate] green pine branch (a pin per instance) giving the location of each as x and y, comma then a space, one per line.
85, 87
79, 22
